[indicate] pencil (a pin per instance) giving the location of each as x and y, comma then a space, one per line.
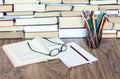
79, 53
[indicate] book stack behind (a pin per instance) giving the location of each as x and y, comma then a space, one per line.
53, 18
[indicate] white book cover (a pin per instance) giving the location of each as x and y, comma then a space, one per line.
20, 53
29, 7
72, 33
36, 21
41, 28
75, 56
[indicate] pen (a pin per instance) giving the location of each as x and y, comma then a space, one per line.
79, 53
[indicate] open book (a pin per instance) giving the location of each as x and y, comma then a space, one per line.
20, 54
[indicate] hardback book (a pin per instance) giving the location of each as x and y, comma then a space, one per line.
109, 7
108, 12
72, 33
58, 7
37, 21
118, 1
51, 1
71, 14
19, 1
118, 34
100, 2
49, 34
85, 7
71, 22
1, 15
29, 7
46, 14
114, 19
108, 25
11, 34
109, 34
19, 13
1, 2
111, 12
6, 8
18, 17
76, 1
116, 26
20, 54
11, 28
41, 28
6, 22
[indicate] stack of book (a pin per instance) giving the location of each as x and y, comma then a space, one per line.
71, 27
53, 18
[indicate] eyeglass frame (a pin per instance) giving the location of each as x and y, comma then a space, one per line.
50, 53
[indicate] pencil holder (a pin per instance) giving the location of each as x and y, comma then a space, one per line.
93, 41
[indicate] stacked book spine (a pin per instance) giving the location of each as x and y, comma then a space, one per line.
54, 18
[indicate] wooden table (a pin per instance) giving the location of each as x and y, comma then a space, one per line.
107, 67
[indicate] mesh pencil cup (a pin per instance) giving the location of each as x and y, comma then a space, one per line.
93, 41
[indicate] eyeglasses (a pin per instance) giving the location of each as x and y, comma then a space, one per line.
53, 52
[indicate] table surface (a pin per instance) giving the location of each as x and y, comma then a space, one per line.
107, 67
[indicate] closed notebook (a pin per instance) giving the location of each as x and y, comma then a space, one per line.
20, 54
76, 55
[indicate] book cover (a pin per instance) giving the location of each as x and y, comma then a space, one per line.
48, 34
41, 28
36, 21
72, 33
76, 1
6, 8
58, 7
51, 1
85, 7
29, 7
100, 2
6, 22
71, 22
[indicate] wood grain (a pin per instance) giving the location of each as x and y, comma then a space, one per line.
107, 67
